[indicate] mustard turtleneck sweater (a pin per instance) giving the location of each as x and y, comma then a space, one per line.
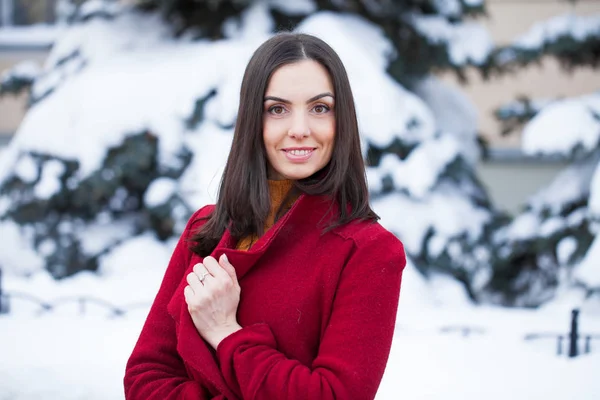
278, 190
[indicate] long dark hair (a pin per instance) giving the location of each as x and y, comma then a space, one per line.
243, 202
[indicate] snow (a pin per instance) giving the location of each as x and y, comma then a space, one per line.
139, 106
430, 159
522, 107
524, 226
29, 70
16, 255
545, 215
105, 232
104, 7
453, 112
203, 176
449, 8
26, 169
296, 7
49, 183
594, 200
83, 356
448, 212
468, 42
570, 185
159, 191
550, 226
428, 366
255, 21
32, 35
588, 270
578, 27
558, 117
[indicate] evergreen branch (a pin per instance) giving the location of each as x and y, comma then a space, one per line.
573, 40
516, 114
19, 79
418, 53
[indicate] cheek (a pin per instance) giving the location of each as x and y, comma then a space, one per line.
327, 134
273, 131
269, 136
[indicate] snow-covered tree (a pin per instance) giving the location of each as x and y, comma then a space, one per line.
551, 246
131, 119
132, 115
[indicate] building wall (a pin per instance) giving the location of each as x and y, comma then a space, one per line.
511, 183
13, 108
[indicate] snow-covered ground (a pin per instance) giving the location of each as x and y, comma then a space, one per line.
64, 355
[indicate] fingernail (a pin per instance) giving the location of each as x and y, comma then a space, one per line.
225, 258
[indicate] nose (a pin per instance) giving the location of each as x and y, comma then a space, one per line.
299, 128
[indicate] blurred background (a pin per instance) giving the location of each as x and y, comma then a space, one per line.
480, 122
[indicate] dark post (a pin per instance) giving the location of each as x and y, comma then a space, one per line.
588, 346
574, 334
1, 305
559, 349
4, 304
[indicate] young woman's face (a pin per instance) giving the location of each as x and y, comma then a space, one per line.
299, 120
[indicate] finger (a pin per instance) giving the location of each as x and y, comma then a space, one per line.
188, 293
230, 269
201, 272
215, 269
193, 280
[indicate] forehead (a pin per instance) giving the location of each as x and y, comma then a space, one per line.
303, 79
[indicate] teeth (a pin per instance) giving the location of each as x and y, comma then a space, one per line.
299, 152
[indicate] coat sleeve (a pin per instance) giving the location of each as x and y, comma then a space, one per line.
155, 370
354, 348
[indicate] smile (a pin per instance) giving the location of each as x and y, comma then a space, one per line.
298, 154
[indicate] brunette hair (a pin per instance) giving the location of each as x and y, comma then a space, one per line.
243, 203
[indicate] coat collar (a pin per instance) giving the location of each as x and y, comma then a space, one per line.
306, 212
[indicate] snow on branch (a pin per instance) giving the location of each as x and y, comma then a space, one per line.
517, 113
19, 78
30, 36
457, 8
569, 127
98, 8
571, 38
468, 43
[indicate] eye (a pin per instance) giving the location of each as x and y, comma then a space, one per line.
321, 109
276, 110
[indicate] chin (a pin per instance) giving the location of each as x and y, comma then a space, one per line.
297, 175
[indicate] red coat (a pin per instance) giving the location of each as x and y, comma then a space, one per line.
317, 311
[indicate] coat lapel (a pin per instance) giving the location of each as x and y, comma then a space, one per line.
242, 260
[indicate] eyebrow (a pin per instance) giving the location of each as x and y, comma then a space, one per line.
317, 97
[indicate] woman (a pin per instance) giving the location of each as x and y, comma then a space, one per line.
287, 288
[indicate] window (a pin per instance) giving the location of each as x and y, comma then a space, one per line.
27, 12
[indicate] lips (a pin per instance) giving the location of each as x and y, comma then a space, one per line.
299, 154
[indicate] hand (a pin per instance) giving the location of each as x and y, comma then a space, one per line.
213, 296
